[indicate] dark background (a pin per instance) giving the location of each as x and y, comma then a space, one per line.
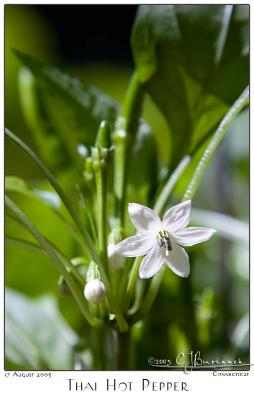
91, 42
81, 31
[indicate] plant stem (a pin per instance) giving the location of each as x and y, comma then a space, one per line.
158, 207
100, 160
101, 186
123, 326
123, 351
131, 283
167, 190
52, 254
220, 132
125, 130
149, 297
58, 189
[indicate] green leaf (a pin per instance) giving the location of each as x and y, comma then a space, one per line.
37, 337
75, 109
55, 103
143, 165
48, 198
59, 190
193, 61
18, 185
60, 261
34, 112
227, 227
218, 135
241, 334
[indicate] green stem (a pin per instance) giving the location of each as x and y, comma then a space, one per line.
101, 202
101, 186
101, 155
123, 351
158, 207
72, 229
85, 205
173, 179
52, 254
149, 297
97, 349
123, 326
125, 130
131, 283
58, 189
220, 132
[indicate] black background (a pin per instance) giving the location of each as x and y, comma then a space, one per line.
82, 29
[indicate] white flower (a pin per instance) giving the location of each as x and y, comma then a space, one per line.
161, 241
95, 291
115, 258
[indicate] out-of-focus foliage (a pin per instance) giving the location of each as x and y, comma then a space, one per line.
188, 57
74, 108
219, 269
74, 111
28, 31
20, 21
38, 337
226, 226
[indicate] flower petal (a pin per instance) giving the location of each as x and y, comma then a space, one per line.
145, 220
134, 246
178, 260
191, 236
177, 217
151, 263
115, 258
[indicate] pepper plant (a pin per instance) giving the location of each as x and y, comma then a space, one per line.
192, 61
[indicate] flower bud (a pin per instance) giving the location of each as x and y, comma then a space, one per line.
88, 170
82, 150
103, 136
63, 287
116, 260
95, 291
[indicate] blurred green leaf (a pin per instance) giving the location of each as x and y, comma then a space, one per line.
75, 109
227, 227
18, 185
241, 333
239, 259
193, 61
59, 259
37, 337
48, 198
58, 188
33, 108
26, 29
205, 314
142, 173
215, 140
20, 271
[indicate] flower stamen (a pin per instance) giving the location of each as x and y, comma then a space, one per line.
164, 241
